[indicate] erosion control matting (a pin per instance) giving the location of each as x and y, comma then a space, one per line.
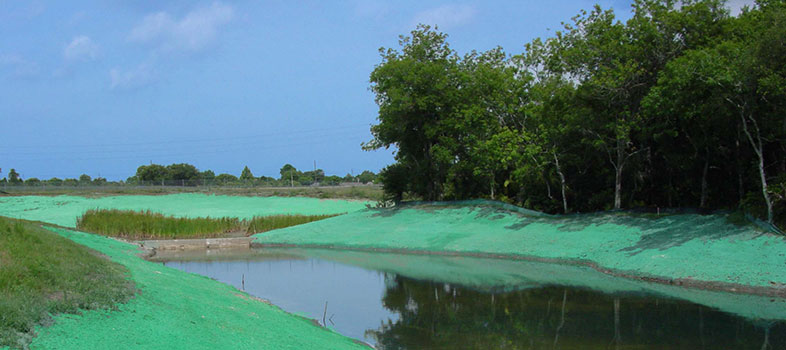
690, 249
64, 210
178, 310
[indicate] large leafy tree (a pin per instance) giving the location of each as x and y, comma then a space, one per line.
735, 82
181, 171
442, 112
14, 178
152, 172
246, 174
288, 174
681, 105
488, 125
617, 63
85, 179
417, 93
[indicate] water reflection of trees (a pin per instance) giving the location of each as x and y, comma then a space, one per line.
442, 316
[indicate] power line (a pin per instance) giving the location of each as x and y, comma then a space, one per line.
194, 148
195, 140
142, 155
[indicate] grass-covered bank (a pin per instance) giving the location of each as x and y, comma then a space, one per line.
178, 310
44, 274
689, 249
64, 210
131, 224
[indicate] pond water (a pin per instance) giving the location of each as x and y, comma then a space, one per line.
397, 301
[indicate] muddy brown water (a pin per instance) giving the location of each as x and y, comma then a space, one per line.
405, 302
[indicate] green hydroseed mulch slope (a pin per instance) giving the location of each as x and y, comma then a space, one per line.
178, 310
704, 248
63, 210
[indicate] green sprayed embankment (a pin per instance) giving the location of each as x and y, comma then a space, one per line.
178, 310
64, 210
701, 250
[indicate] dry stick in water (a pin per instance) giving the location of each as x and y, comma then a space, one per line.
562, 317
324, 313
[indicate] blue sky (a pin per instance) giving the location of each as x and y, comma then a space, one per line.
101, 87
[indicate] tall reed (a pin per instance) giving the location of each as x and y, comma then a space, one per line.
149, 225
266, 223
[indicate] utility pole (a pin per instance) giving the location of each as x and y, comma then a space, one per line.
315, 172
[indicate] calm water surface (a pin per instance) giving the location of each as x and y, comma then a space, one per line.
372, 299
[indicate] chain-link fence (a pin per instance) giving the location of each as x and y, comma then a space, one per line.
171, 184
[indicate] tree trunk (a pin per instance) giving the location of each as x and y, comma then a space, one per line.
548, 189
618, 188
562, 184
617, 334
764, 191
562, 317
703, 200
766, 344
758, 148
618, 174
740, 182
492, 186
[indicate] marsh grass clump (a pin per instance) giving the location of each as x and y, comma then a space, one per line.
266, 223
149, 225
43, 274
131, 224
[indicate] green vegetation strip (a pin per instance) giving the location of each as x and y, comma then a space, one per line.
43, 274
64, 210
178, 310
686, 247
267, 223
148, 225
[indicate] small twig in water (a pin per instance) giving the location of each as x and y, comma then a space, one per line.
324, 313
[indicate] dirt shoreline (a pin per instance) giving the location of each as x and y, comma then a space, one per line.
195, 243
688, 283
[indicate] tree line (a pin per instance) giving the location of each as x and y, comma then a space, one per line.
187, 174
289, 176
682, 105
14, 179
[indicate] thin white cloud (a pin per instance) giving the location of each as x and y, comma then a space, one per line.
81, 48
19, 67
446, 16
195, 31
130, 79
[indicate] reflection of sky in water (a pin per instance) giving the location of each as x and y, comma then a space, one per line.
302, 287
